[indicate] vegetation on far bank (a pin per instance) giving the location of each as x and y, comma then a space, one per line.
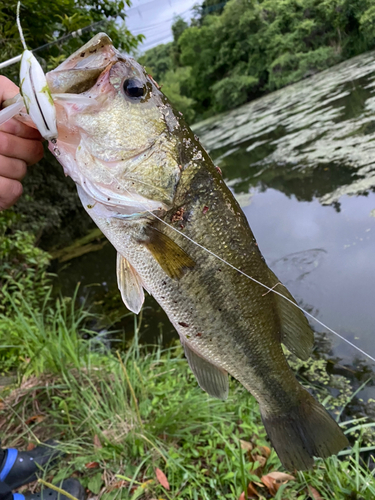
234, 51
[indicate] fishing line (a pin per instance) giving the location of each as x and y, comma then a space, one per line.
20, 27
265, 286
255, 280
248, 276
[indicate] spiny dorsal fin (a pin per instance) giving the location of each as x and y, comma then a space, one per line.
130, 285
210, 378
296, 333
172, 259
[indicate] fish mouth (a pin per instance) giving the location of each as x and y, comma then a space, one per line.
80, 72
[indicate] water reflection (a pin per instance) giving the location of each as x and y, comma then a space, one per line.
325, 257
313, 139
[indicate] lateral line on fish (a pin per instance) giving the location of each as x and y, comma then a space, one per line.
258, 282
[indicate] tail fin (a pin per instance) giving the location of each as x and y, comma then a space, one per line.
303, 432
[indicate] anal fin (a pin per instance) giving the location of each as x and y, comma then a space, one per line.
210, 378
130, 285
296, 333
172, 259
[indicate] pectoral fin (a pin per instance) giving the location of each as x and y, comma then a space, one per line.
296, 333
172, 259
130, 285
210, 378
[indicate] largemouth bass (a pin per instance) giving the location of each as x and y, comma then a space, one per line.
152, 189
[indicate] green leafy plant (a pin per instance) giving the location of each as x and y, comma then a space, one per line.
23, 266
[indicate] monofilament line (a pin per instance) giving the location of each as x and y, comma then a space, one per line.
20, 27
265, 286
249, 277
256, 281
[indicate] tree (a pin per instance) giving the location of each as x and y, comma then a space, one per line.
44, 21
50, 207
239, 49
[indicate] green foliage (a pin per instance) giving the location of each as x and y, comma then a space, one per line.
367, 25
44, 21
128, 414
175, 82
158, 61
50, 206
232, 91
239, 49
47, 337
23, 266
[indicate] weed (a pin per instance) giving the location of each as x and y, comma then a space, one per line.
122, 416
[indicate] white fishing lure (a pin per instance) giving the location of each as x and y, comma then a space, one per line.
35, 95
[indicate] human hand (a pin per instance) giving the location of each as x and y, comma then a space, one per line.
20, 146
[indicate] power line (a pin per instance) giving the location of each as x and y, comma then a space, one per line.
74, 34
158, 24
91, 27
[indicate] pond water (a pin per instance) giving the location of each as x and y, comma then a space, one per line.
301, 161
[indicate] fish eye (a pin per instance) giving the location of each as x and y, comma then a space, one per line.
134, 88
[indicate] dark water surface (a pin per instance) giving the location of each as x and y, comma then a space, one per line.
301, 161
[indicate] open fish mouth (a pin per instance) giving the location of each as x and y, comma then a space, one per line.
79, 72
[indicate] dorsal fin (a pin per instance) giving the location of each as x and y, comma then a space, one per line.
130, 285
296, 333
210, 378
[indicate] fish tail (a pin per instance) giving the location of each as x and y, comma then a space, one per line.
303, 432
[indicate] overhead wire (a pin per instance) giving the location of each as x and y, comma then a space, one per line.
74, 34
95, 25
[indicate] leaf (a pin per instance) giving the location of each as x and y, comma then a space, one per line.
137, 493
259, 458
162, 478
264, 451
97, 443
141, 489
92, 465
314, 493
261, 461
117, 485
274, 480
35, 419
251, 492
281, 477
245, 445
95, 483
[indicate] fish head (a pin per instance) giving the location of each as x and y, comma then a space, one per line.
115, 131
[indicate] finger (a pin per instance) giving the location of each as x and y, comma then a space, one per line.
28, 150
8, 89
20, 129
12, 168
10, 191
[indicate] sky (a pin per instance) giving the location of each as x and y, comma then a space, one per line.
154, 19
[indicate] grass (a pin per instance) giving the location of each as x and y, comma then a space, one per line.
122, 416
